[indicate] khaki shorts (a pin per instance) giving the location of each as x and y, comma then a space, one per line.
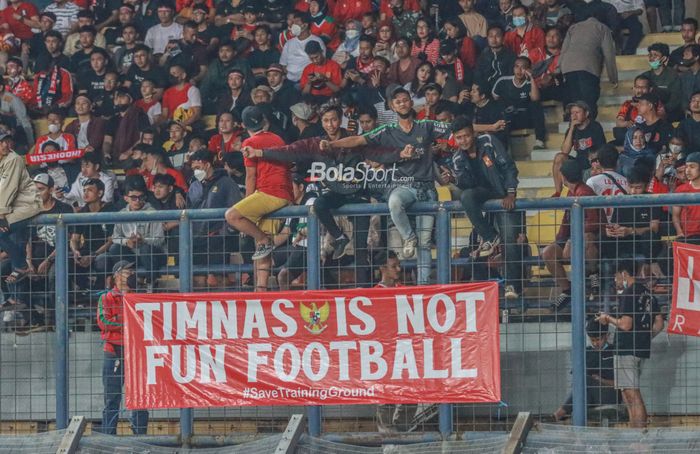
257, 205
628, 370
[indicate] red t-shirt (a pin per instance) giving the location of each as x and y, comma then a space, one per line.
690, 215
17, 27
330, 69
271, 177
351, 9
532, 41
179, 179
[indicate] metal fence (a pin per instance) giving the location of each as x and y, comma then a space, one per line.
46, 377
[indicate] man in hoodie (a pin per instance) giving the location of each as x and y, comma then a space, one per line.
484, 170
495, 62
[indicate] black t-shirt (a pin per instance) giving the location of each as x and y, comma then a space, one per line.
94, 235
490, 114
600, 362
80, 61
113, 35
657, 135
636, 302
636, 217
45, 61
136, 75
92, 82
44, 236
190, 57
263, 58
589, 138
510, 95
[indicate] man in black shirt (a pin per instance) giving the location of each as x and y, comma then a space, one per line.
584, 136
92, 79
638, 320
600, 374
41, 254
488, 114
187, 53
80, 61
143, 69
53, 42
113, 35
91, 240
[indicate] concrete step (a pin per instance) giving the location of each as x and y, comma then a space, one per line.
632, 62
542, 155
535, 169
535, 182
672, 39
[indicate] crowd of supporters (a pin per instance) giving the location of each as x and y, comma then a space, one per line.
143, 105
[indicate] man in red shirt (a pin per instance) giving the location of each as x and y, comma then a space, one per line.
686, 219
182, 101
227, 139
321, 77
268, 187
558, 252
19, 18
110, 319
525, 37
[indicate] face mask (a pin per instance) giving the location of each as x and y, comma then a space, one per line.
137, 163
131, 282
519, 21
54, 128
173, 80
397, 11
352, 34
295, 29
675, 149
121, 108
655, 64
200, 174
688, 61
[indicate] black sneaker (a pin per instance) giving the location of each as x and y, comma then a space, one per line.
593, 286
263, 251
563, 300
339, 247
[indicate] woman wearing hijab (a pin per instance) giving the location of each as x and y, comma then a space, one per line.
323, 25
350, 47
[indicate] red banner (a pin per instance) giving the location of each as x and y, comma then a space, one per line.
64, 155
685, 308
383, 345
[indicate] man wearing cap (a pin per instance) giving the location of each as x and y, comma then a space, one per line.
158, 36
414, 180
294, 57
686, 219
559, 252
110, 319
322, 77
19, 18
286, 94
302, 116
41, 254
584, 136
19, 202
268, 188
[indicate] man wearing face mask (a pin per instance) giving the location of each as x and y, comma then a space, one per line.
690, 80
110, 319
665, 79
182, 101
525, 38
122, 130
294, 57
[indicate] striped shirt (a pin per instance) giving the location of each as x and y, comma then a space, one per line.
66, 16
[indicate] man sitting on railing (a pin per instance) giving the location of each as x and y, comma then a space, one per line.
484, 170
556, 253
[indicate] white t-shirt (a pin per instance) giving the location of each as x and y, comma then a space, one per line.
66, 16
158, 36
294, 56
603, 185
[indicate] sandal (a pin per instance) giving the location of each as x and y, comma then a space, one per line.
17, 276
12, 305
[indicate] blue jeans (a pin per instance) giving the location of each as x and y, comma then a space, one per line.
14, 242
113, 381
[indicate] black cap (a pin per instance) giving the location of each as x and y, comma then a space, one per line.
693, 157
447, 47
571, 170
651, 98
122, 265
253, 118
313, 47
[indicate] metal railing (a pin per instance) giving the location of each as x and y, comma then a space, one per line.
443, 264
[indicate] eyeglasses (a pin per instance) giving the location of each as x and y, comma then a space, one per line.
137, 198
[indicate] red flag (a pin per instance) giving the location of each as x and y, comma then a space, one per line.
685, 309
362, 346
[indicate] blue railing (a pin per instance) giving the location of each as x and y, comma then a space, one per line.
442, 212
